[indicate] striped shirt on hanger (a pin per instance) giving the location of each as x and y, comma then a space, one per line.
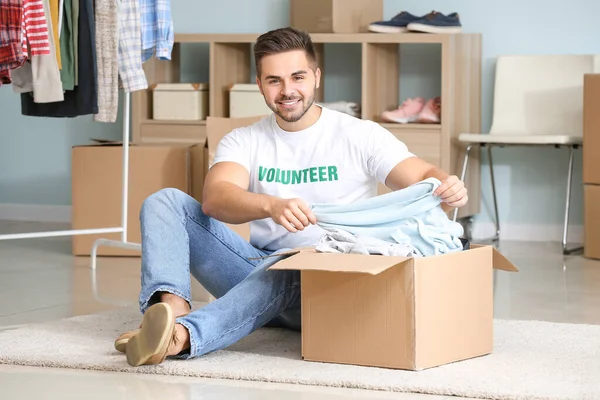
35, 29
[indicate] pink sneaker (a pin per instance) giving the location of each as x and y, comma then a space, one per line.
407, 112
430, 114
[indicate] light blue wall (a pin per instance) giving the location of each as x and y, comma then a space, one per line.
35, 152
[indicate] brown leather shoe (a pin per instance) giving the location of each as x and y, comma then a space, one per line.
157, 332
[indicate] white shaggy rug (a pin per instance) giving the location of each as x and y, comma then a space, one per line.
531, 360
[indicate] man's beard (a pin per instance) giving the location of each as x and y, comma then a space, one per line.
297, 115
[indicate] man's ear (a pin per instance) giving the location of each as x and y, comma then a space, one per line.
318, 77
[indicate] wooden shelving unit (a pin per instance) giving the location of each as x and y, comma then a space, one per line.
230, 62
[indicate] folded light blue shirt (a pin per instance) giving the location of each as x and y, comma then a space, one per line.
412, 216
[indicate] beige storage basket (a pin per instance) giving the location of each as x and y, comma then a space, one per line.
180, 101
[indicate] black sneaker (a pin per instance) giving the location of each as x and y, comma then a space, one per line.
436, 22
397, 24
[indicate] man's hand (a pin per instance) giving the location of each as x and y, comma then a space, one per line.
452, 192
293, 214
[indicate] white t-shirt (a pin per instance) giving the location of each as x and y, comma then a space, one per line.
339, 159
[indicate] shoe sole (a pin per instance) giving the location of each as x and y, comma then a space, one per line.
150, 345
387, 29
400, 120
417, 27
121, 342
428, 119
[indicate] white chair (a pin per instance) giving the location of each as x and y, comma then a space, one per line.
538, 101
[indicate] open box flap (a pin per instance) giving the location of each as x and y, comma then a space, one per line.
310, 260
498, 260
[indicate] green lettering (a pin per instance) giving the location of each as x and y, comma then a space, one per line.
262, 172
286, 177
296, 177
333, 175
277, 176
322, 174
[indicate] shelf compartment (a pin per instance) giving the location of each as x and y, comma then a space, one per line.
229, 64
380, 79
341, 81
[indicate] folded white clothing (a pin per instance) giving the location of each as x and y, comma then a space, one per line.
340, 241
346, 107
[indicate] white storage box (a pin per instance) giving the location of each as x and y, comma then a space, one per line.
180, 101
245, 100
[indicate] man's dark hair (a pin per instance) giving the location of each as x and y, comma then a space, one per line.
282, 40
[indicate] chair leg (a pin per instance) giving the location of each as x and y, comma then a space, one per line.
497, 237
463, 174
568, 205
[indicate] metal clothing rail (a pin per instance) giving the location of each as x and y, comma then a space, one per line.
122, 229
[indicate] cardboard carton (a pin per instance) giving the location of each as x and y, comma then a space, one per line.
591, 129
396, 312
97, 183
335, 16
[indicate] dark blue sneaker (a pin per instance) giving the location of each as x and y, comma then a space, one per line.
436, 22
397, 24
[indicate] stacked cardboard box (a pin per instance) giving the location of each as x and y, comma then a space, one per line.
591, 165
97, 183
335, 16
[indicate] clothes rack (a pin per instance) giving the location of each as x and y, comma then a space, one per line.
123, 243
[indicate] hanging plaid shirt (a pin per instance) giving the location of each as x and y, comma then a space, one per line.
130, 47
157, 29
11, 43
5, 77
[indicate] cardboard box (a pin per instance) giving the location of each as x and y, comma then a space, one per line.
591, 217
335, 16
396, 312
591, 129
97, 182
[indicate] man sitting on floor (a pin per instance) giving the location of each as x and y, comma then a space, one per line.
266, 174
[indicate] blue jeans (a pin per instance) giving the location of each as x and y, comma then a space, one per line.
179, 239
